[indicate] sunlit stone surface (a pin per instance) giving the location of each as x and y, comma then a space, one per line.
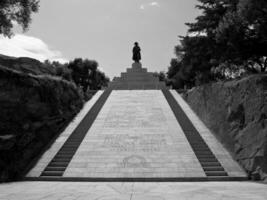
133, 191
135, 135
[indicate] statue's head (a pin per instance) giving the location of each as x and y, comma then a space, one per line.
136, 43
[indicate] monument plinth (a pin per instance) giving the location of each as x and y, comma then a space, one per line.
136, 78
137, 65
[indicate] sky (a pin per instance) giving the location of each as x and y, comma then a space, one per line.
105, 31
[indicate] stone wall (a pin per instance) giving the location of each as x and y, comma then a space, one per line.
236, 112
34, 109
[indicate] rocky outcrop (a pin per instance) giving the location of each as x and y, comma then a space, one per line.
34, 109
236, 112
26, 65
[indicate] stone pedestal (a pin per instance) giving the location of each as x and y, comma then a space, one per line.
137, 66
136, 78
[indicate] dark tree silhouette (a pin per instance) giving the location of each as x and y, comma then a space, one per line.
85, 74
228, 36
16, 11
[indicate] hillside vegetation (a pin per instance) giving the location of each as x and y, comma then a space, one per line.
35, 106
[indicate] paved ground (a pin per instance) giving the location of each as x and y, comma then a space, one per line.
133, 191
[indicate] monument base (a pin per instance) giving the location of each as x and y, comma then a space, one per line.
137, 78
137, 65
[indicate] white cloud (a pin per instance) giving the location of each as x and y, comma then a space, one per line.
27, 46
151, 4
142, 7
154, 3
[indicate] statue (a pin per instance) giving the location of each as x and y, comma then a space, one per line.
136, 52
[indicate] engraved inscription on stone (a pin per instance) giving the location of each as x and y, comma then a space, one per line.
134, 116
143, 143
134, 161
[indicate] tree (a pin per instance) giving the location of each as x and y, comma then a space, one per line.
160, 75
85, 74
212, 13
175, 66
243, 34
61, 70
16, 11
226, 40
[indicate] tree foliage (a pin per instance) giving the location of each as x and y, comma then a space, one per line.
85, 73
229, 36
160, 75
16, 11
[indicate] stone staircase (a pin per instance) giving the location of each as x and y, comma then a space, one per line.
136, 78
206, 158
137, 136
60, 162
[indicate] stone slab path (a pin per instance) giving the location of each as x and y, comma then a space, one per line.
133, 191
136, 135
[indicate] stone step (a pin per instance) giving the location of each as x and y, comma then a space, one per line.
213, 169
210, 164
207, 159
73, 141
63, 157
206, 153
68, 148
137, 76
142, 79
200, 146
58, 164
197, 143
69, 155
52, 173
67, 151
216, 173
72, 144
206, 156
131, 70
55, 168
199, 150
55, 161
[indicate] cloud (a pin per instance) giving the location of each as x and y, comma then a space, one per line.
27, 46
142, 7
154, 3
151, 4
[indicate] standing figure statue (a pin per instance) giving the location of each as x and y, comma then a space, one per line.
136, 52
